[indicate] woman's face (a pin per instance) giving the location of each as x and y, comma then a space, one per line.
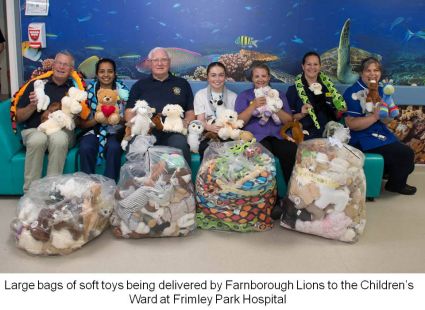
105, 74
311, 67
216, 77
371, 72
260, 77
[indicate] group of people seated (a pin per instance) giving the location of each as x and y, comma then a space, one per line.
302, 102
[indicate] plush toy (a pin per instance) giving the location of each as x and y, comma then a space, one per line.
195, 129
55, 122
272, 106
157, 121
388, 99
173, 119
316, 88
230, 125
54, 106
72, 104
246, 136
374, 99
297, 131
107, 110
42, 99
367, 107
140, 124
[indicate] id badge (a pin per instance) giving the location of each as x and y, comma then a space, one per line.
379, 136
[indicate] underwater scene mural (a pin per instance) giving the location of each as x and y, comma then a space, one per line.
237, 32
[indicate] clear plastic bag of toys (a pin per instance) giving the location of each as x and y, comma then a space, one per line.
60, 214
327, 191
155, 195
236, 187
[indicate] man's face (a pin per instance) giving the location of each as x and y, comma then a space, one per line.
62, 67
160, 63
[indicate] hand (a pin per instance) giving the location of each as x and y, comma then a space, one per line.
212, 128
258, 102
33, 99
306, 108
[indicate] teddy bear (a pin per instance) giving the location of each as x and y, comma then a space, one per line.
230, 125
140, 123
107, 110
54, 106
173, 119
367, 107
272, 106
42, 99
376, 100
297, 131
195, 129
73, 101
316, 88
55, 122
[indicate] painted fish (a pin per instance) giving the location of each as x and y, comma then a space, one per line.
297, 40
129, 56
30, 53
181, 60
51, 35
84, 18
396, 21
419, 34
246, 41
94, 48
88, 67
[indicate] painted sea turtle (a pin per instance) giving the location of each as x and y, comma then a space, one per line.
343, 62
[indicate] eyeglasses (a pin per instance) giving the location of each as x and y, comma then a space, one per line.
159, 60
63, 64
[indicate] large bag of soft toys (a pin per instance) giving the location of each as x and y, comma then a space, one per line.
60, 214
327, 189
155, 193
236, 187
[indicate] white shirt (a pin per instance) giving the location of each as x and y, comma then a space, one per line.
202, 105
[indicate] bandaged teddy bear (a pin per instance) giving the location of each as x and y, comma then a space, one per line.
272, 106
173, 119
196, 128
107, 110
230, 124
42, 99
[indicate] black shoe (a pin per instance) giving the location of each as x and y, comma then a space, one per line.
276, 211
407, 190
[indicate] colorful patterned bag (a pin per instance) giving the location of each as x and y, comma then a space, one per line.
236, 187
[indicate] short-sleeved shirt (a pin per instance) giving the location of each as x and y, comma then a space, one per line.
375, 135
322, 105
270, 129
54, 91
173, 90
201, 103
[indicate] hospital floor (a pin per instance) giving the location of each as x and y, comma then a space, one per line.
393, 242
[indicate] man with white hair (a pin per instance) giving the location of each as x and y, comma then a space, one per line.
37, 142
162, 88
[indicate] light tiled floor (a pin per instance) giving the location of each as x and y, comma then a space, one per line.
394, 241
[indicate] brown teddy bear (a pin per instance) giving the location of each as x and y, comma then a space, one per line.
373, 94
107, 111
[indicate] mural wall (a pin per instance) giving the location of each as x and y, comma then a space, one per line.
237, 32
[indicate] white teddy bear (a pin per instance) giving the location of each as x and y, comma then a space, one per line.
230, 124
43, 100
361, 96
272, 106
71, 104
55, 122
173, 119
316, 88
196, 128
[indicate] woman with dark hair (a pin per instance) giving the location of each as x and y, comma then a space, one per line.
370, 134
214, 97
313, 99
267, 134
102, 142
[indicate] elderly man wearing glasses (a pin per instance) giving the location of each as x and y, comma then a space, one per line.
162, 88
36, 142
